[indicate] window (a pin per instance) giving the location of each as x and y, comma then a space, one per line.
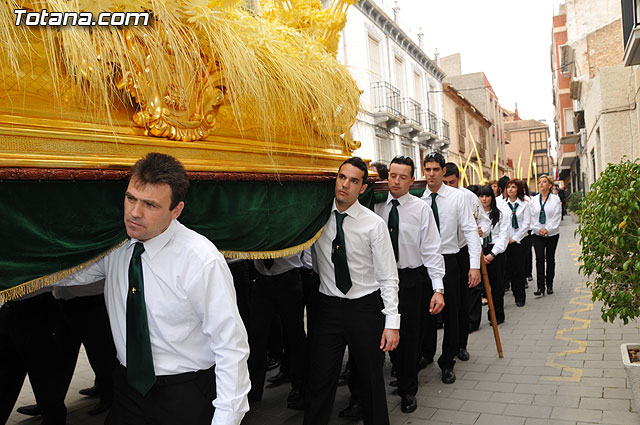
432, 98
417, 88
383, 149
568, 121
375, 64
542, 164
399, 73
461, 129
593, 164
538, 140
482, 142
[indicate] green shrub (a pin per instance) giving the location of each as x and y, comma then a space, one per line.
610, 236
574, 201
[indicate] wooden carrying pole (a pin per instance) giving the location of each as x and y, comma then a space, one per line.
492, 312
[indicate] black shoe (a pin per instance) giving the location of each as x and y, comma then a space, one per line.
424, 362
539, 293
393, 383
526, 285
295, 400
277, 380
344, 377
529, 278
272, 364
89, 392
30, 410
473, 328
408, 404
99, 408
448, 376
463, 354
394, 372
549, 291
520, 304
354, 411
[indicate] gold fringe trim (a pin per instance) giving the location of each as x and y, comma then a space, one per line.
44, 281
262, 255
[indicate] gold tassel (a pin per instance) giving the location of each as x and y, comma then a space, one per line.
44, 281
263, 255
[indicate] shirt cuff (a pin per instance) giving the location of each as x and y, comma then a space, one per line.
474, 263
392, 321
221, 417
437, 283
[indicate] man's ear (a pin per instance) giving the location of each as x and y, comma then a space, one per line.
363, 188
175, 213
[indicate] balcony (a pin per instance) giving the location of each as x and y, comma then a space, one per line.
412, 111
386, 104
430, 131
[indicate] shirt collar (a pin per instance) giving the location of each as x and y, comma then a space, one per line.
155, 244
403, 199
353, 211
442, 191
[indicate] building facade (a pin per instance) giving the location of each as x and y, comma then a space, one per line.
402, 106
526, 137
603, 93
475, 87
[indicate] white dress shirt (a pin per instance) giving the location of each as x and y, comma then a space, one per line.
191, 311
454, 213
500, 231
280, 265
481, 217
372, 264
418, 237
552, 211
524, 219
75, 291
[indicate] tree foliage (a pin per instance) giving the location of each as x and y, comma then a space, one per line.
574, 201
610, 236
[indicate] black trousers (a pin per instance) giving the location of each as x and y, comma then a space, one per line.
545, 251
527, 242
466, 295
84, 320
241, 282
282, 295
415, 288
516, 263
341, 322
450, 314
176, 399
495, 271
27, 347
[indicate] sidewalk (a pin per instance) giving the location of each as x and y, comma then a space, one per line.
561, 366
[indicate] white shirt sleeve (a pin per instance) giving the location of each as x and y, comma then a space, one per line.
386, 274
92, 273
524, 222
483, 221
470, 229
554, 214
430, 249
213, 297
501, 239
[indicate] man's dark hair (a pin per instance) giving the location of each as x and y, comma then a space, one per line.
381, 169
502, 183
451, 169
404, 160
158, 168
434, 157
357, 162
473, 188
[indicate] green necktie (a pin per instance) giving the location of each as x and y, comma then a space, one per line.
339, 257
434, 208
394, 222
140, 372
542, 218
514, 217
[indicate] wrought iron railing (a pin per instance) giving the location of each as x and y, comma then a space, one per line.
433, 123
386, 98
412, 110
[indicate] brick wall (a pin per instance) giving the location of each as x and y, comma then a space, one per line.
605, 47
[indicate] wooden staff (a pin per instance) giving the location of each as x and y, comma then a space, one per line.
492, 312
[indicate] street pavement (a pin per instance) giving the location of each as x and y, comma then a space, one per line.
561, 366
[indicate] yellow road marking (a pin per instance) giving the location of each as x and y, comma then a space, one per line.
576, 373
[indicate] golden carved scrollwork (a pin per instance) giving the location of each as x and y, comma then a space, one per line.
164, 110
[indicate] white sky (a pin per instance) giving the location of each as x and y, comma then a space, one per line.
508, 40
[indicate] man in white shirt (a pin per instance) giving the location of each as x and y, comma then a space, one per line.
452, 213
416, 244
277, 292
470, 298
179, 338
358, 302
